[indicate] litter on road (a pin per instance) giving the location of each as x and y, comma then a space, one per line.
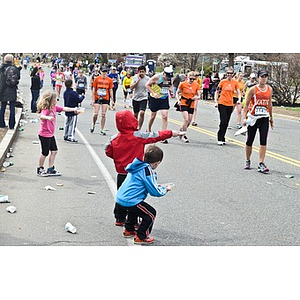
49, 188
70, 228
11, 209
4, 199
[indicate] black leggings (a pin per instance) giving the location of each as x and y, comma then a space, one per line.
262, 125
225, 113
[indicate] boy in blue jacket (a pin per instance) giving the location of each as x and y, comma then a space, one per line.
141, 181
71, 99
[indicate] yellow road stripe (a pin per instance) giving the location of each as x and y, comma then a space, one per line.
277, 156
274, 155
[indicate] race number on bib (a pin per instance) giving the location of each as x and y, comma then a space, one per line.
260, 110
101, 92
164, 90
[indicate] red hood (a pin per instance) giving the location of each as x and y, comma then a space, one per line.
126, 122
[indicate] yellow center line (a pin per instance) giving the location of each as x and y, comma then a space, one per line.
272, 154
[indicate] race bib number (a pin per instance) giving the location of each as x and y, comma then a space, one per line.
260, 110
101, 92
81, 85
164, 90
128, 90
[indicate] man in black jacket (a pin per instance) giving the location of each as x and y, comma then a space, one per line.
9, 80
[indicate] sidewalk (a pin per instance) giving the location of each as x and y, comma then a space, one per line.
8, 139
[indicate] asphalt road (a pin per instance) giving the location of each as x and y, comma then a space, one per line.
215, 202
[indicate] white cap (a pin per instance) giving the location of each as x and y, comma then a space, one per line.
168, 70
252, 75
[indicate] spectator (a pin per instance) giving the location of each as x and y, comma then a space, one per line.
9, 80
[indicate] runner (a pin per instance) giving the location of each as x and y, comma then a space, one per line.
126, 88
198, 80
238, 105
103, 88
81, 83
59, 79
116, 81
160, 86
225, 103
140, 95
248, 85
187, 94
258, 114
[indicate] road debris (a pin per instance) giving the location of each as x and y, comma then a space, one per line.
289, 176
11, 209
4, 199
49, 188
70, 228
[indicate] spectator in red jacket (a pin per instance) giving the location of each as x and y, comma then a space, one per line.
128, 144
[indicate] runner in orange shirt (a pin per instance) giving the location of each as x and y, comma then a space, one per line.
225, 103
187, 93
198, 80
103, 88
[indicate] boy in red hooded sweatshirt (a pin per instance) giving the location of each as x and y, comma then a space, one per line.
128, 144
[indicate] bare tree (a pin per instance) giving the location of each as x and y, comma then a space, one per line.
285, 80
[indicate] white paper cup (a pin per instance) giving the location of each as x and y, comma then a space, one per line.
11, 209
70, 228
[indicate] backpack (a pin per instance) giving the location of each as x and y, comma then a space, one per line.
2, 81
11, 76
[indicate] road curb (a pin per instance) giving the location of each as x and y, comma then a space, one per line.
9, 137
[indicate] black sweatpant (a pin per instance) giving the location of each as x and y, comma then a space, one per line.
145, 212
225, 114
119, 212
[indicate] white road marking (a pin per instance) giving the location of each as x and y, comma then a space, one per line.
110, 182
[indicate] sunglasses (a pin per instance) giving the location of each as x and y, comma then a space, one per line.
229, 73
192, 79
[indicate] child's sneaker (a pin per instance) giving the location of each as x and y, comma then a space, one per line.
119, 222
41, 172
128, 234
52, 172
146, 241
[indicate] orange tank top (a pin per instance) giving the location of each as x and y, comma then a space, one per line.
259, 104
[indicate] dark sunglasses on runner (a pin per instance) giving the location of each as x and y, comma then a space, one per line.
192, 79
229, 73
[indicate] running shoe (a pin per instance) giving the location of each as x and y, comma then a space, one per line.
119, 222
262, 168
146, 241
52, 172
194, 124
128, 234
220, 143
92, 128
247, 165
164, 142
239, 126
102, 132
185, 139
72, 140
41, 172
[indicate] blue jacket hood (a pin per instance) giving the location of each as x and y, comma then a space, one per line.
136, 166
